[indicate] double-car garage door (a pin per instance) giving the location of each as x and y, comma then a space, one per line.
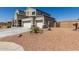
28, 23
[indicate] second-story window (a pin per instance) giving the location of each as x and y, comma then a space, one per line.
33, 13
39, 13
27, 13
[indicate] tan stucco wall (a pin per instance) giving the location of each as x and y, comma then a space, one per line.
68, 24
47, 19
3, 26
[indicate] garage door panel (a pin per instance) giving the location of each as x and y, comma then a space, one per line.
27, 25
40, 25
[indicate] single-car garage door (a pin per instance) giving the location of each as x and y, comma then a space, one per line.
39, 23
27, 24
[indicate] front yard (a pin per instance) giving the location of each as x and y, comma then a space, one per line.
58, 39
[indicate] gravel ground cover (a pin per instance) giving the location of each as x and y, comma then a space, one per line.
58, 39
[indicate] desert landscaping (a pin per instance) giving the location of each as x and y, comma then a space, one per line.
58, 39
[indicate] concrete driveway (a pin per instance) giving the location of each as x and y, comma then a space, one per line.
12, 31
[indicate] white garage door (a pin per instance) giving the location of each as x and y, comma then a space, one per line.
40, 25
27, 24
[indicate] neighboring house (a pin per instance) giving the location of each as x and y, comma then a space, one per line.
32, 17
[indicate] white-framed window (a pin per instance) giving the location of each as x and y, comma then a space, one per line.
26, 21
39, 21
33, 13
27, 13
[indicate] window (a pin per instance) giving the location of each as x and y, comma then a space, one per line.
39, 20
27, 13
33, 13
26, 21
39, 13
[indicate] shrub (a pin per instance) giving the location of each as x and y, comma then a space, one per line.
36, 30
8, 26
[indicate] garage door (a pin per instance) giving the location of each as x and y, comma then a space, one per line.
40, 25
27, 24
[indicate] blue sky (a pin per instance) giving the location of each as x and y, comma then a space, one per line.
60, 13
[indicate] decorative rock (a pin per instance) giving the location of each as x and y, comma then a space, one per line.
19, 35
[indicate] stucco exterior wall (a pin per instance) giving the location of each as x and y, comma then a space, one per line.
68, 24
49, 19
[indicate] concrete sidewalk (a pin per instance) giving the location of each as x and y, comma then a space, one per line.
10, 46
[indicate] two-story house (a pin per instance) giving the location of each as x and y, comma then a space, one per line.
32, 17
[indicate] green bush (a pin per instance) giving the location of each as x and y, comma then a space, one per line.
36, 30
